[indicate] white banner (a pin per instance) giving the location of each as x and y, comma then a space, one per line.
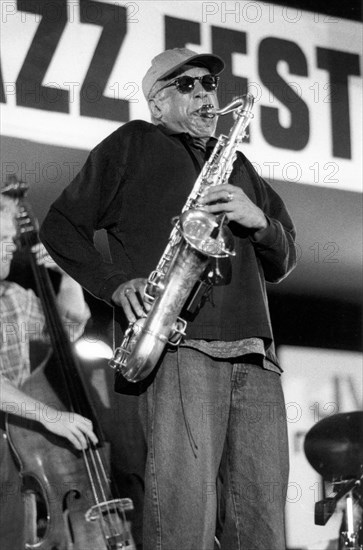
72, 71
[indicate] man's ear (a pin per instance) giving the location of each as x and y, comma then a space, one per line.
155, 109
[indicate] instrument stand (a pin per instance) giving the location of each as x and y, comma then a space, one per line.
351, 535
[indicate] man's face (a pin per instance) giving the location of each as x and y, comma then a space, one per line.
7, 246
181, 112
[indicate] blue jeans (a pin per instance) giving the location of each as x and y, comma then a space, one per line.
217, 448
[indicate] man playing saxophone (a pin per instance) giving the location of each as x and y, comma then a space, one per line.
212, 409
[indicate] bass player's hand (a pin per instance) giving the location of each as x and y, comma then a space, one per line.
77, 429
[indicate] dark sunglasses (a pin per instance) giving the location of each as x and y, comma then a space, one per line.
186, 84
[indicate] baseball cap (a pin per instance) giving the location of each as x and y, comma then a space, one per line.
169, 61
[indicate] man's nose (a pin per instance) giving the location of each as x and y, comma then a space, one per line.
200, 92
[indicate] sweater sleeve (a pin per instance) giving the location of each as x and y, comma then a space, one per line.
275, 245
86, 205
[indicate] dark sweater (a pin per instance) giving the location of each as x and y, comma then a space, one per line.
132, 184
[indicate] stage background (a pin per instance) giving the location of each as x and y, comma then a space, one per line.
71, 74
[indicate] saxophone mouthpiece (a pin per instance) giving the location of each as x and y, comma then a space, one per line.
207, 111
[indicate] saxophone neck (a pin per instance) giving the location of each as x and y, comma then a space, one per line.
241, 105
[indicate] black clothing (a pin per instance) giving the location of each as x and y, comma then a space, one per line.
132, 184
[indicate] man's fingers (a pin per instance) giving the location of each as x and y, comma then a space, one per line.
129, 296
42, 256
81, 439
133, 299
131, 305
83, 426
221, 193
75, 442
86, 427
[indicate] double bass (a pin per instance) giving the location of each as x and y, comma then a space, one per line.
68, 495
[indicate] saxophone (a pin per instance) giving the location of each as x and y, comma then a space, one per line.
196, 238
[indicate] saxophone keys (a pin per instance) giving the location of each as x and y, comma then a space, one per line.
178, 332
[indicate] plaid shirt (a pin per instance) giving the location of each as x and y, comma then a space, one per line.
22, 320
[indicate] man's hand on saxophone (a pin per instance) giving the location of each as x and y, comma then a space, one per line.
232, 201
130, 296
